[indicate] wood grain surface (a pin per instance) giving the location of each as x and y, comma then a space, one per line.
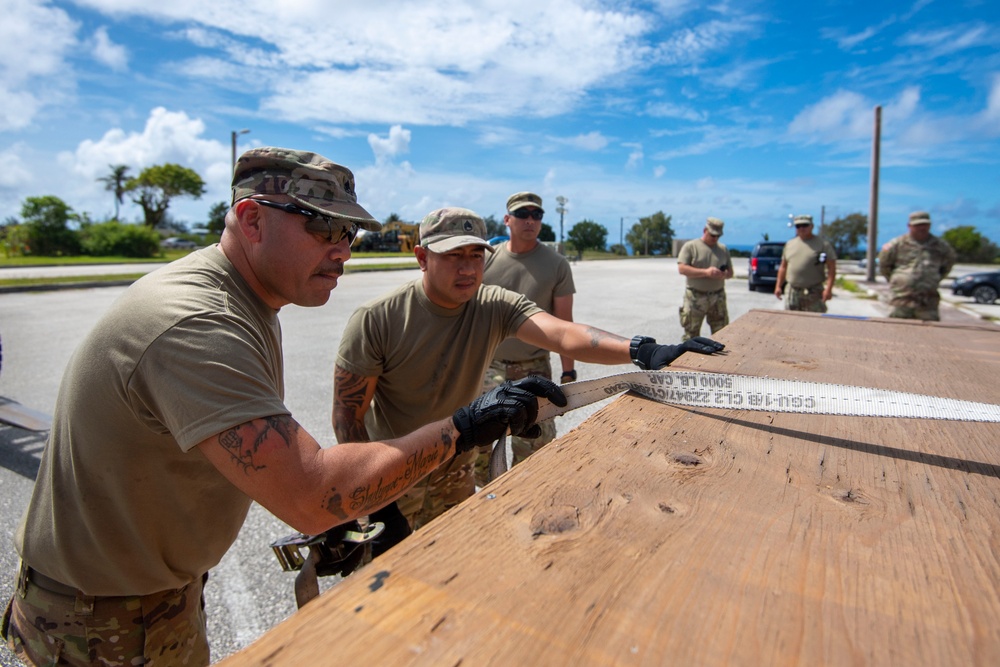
656, 535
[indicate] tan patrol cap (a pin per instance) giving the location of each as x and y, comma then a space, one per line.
714, 226
920, 218
449, 228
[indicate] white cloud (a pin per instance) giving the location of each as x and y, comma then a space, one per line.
670, 110
591, 141
397, 143
635, 157
15, 176
35, 41
107, 52
167, 136
659, 171
843, 115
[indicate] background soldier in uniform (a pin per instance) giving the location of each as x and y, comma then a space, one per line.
914, 264
706, 264
422, 350
525, 266
807, 262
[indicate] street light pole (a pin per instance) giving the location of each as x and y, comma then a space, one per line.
235, 133
562, 211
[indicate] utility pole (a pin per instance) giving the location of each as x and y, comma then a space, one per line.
562, 212
621, 233
873, 200
235, 133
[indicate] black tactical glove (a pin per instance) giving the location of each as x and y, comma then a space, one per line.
512, 405
397, 528
651, 356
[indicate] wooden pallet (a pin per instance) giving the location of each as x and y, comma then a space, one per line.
656, 535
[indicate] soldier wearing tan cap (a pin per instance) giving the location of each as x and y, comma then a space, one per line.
171, 420
914, 265
421, 350
809, 266
706, 264
529, 267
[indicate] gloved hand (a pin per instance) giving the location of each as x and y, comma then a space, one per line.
512, 404
397, 528
654, 356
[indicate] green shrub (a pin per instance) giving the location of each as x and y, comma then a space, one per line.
112, 238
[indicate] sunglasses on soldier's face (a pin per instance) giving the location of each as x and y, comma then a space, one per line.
324, 226
524, 214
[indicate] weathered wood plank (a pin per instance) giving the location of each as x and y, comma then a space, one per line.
658, 535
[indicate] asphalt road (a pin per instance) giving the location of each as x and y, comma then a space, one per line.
247, 593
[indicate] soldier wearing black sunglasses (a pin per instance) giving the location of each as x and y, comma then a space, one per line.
535, 270
333, 230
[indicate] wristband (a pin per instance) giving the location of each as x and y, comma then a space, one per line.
571, 374
633, 349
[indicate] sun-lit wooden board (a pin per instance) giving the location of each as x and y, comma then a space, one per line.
656, 535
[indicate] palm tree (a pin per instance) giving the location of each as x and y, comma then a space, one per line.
115, 182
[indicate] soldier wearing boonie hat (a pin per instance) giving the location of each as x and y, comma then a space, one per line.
186, 367
914, 264
706, 265
809, 267
308, 179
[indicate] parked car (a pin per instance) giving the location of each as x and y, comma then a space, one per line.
983, 287
497, 240
177, 242
765, 258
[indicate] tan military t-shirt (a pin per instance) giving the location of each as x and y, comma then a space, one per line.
700, 255
429, 360
804, 266
541, 274
122, 504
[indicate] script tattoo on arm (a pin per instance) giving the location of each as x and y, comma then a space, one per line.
243, 443
351, 397
367, 498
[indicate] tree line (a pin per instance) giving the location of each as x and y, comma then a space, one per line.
50, 227
46, 225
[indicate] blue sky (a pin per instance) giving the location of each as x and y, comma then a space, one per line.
748, 111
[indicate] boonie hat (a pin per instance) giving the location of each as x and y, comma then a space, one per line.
920, 218
310, 180
715, 226
449, 228
802, 220
522, 199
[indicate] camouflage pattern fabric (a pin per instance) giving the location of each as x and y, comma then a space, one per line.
699, 306
167, 628
808, 299
914, 270
498, 373
441, 490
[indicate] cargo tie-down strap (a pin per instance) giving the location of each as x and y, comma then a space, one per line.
740, 392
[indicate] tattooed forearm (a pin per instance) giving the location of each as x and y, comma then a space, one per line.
598, 335
367, 498
243, 443
350, 389
351, 397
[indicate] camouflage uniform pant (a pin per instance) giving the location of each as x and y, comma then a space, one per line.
808, 299
439, 491
46, 628
699, 306
916, 306
498, 373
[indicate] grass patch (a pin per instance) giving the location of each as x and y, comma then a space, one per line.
70, 280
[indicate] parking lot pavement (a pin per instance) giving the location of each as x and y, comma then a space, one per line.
248, 593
